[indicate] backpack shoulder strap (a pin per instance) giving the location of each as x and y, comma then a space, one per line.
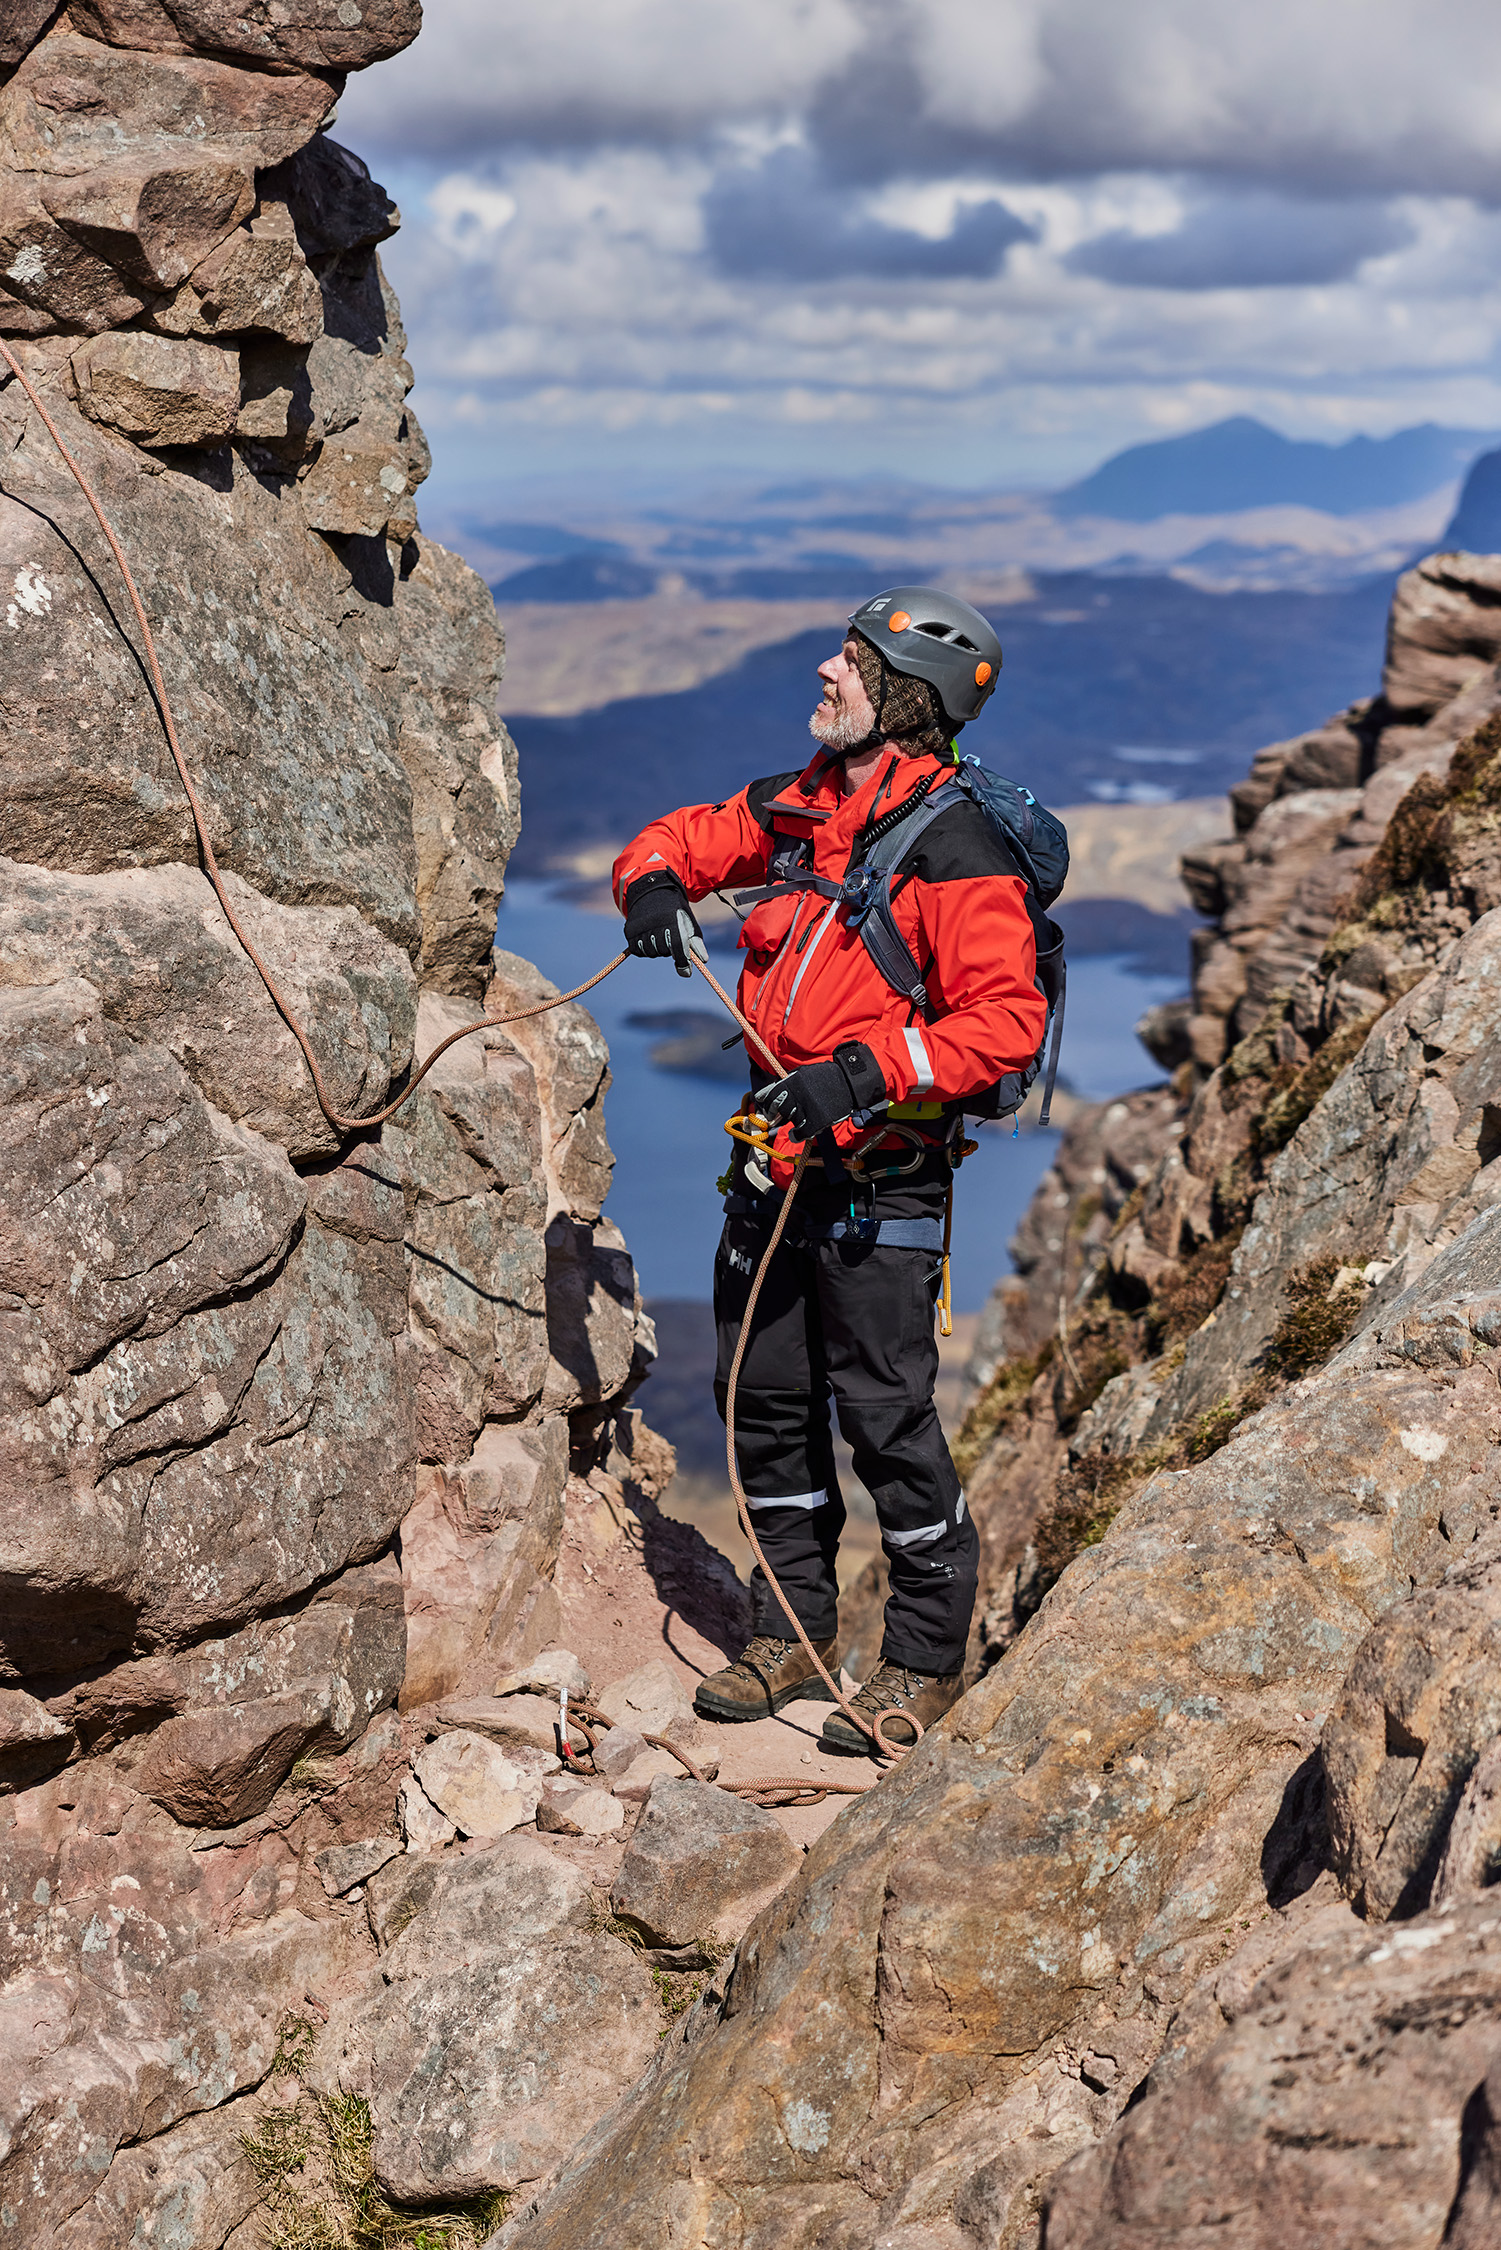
870, 910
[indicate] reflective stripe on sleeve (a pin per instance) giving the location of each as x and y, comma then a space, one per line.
919, 1056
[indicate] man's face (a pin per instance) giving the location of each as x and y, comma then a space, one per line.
845, 716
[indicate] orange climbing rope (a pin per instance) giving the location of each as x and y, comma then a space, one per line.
344, 1122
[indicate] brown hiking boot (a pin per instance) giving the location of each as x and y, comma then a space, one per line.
892, 1687
772, 1672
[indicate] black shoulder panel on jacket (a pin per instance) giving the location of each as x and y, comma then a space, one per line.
959, 844
760, 793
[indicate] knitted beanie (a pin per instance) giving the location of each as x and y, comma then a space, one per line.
906, 709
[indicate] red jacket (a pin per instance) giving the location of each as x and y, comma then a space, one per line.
808, 982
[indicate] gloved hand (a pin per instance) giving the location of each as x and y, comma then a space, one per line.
659, 922
821, 1094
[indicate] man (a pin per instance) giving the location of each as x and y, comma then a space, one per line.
874, 1091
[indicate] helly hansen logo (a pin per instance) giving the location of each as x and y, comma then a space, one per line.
740, 1260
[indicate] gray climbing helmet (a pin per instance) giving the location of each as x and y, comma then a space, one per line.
937, 638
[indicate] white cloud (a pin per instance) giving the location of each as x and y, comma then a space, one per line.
572, 73
468, 215
1347, 95
1063, 223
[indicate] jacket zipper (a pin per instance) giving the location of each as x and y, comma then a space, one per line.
807, 958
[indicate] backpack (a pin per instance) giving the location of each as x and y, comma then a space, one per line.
1036, 839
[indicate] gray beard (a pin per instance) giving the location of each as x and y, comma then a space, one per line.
838, 728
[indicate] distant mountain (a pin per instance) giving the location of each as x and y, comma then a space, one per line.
1476, 522
1240, 463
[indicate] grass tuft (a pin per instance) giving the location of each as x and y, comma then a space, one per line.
315, 2159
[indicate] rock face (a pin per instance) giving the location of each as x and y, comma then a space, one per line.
1351, 2102
497, 2027
286, 1415
981, 1960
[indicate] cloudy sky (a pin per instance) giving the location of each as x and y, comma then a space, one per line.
968, 241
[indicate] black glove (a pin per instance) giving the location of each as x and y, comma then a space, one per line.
659, 922
821, 1094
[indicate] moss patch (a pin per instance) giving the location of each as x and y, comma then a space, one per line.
314, 2157
992, 1411
1317, 1319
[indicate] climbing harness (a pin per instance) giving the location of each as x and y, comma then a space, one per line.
345, 1123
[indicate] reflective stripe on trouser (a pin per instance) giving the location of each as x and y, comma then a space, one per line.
853, 1321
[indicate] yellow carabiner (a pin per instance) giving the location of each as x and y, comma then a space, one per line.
757, 1138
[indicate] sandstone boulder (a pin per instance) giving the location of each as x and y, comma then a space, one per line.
475, 1785
1422, 1700
553, 1669
314, 35
499, 2026
631, 1765
694, 1855
159, 391
151, 221
571, 1808
257, 282
423, 1827
274, 1693
341, 1867
1350, 2103
50, 277
521, 1724
1445, 632
33, 1741
653, 1701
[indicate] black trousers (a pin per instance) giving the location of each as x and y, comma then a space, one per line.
853, 1321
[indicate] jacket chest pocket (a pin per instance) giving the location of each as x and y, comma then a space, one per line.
764, 930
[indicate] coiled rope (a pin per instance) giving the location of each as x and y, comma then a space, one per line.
344, 1122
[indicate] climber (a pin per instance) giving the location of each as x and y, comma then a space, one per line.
848, 1302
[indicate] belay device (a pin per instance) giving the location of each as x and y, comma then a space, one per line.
1038, 842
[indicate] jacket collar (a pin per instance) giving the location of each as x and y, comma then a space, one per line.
820, 783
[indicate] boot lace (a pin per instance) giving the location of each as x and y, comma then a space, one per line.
888, 1684
765, 1653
